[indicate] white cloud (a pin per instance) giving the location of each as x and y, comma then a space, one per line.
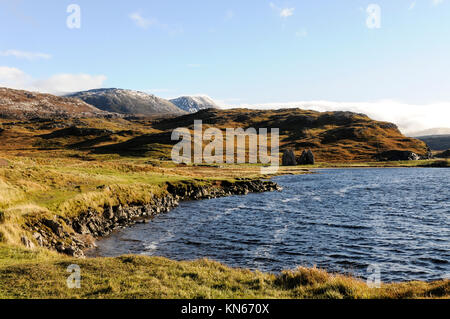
56, 84
13, 77
145, 23
412, 5
25, 55
283, 12
287, 12
140, 21
66, 83
409, 117
437, 2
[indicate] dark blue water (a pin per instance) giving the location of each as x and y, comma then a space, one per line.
341, 220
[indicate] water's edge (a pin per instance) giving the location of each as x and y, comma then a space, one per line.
72, 236
340, 220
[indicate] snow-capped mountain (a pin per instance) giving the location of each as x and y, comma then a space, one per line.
193, 104
127, 102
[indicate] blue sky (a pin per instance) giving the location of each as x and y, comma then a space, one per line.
238, 52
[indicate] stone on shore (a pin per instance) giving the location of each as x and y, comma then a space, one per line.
307, 158
289, 158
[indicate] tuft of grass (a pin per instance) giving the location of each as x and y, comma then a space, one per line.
43, 274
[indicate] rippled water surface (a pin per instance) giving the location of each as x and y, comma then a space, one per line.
341, 220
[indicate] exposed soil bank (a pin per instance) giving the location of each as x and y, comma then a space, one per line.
72, 235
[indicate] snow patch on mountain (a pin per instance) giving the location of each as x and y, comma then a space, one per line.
127, 101
193, 104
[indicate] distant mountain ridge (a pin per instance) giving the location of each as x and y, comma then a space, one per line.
437, 142
193, 104
20, 104
127, 102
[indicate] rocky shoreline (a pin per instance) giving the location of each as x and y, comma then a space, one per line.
71, 236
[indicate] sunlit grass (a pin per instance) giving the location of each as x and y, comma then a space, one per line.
43, 274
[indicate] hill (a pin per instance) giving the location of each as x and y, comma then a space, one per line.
19, 104
437, 142
332, 136
127, 102
193, 104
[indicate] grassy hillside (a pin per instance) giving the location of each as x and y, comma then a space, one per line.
19, 104
42, 274
332, 136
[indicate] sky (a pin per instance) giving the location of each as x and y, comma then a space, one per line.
386, 58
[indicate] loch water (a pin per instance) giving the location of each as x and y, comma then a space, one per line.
394, 220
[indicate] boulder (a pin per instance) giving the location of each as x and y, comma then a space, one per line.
26, 242
73, 251
289, 158
56, 227
396, 155
40, 240
307, 158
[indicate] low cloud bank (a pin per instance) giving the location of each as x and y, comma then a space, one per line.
58, 84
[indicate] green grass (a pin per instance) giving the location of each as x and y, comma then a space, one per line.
42, 274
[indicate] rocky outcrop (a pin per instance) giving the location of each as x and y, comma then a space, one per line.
307, 158
396, 155
288, 158
26, 242
72, 236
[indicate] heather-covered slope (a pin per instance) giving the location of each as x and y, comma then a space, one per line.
332, 136
19, 104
